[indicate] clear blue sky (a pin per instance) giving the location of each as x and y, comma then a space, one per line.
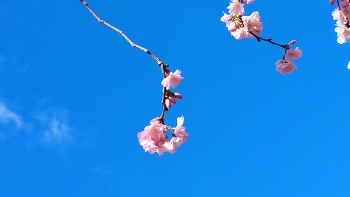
74, 94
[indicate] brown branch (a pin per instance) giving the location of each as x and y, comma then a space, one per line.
160, 63
286, 47
269, 40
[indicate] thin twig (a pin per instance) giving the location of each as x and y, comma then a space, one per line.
266, 40
160, 63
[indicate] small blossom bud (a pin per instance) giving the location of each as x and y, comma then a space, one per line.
172, 99
167, 103
292, 42
177, 95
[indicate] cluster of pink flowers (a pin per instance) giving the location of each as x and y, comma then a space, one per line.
342, 14
154, 138
286, 65
241, 26
250, 26
173, 80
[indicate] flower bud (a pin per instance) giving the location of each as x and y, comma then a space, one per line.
167, 103
172, 99
292, 42
177, 95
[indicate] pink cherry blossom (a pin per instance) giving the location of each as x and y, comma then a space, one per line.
337, 15
179, 137
240, 33
173, 80
180, 130
285, 67
236, 7
152, 137
232, 27
343, 34
293, 53
226, 19
250, 24
241, 26
342, 29
168, 146
253, 23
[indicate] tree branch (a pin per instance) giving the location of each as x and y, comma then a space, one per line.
160, 63
267, 40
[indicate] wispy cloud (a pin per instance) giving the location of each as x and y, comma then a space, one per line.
58, 132
7, 116
55, 126
49, 126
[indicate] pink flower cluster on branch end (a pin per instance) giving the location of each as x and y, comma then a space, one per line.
250, 26
155, 139
287, 66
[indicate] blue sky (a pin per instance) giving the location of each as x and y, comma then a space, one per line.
74, 94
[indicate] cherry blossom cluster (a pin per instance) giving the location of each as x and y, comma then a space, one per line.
250, 27
240, 26
342, 14
286, 64
154, 138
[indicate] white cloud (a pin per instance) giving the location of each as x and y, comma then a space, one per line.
7, 116
58, 131
55, 126
49, 126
